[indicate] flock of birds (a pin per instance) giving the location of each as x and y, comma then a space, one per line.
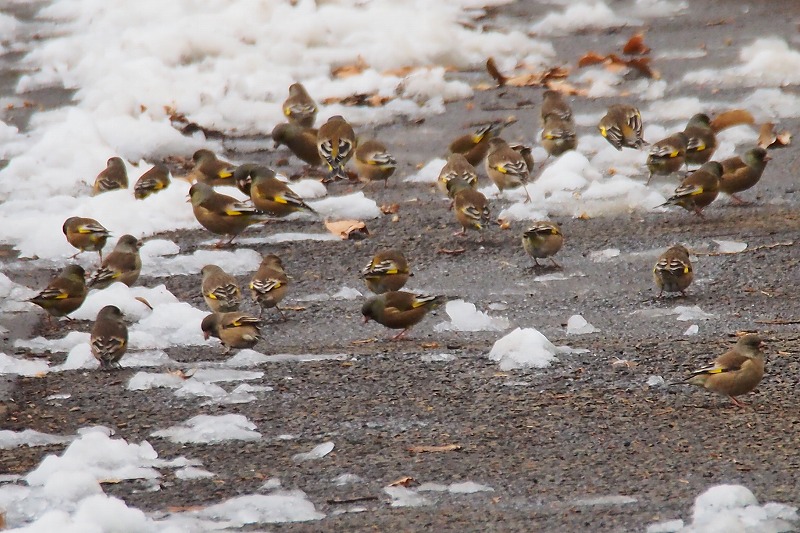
332, 146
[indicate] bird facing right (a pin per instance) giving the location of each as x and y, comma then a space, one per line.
109, 338
742, 173
736, 372
374, 162
123, 264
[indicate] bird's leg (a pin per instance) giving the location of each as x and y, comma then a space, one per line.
283, 316
401, 334
461, 233
738, 201
648, 179
555, 264
527, 194
737, 403
699, 212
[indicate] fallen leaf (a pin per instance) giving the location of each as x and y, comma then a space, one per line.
583, 216
360, 99
345, 71
565, 88
364, 341
404, 481
642, 65
430, 345
733, 117
635, 45
179, 374
435, 449
390, 209
590, 58
494, 72
144, 301
536, 79
504, 224
767, 138
348, 229
451, 251
401, 72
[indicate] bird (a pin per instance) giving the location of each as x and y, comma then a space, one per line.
271, 195
736, 372
558, 136
543, 239
457, 167
554, 106
336, 142
399, 309
85, 234
742, 173
64, 294
526, 152
698, 189
387, 271
302, 142
667, 155
673, 271
374, 162
210, 170
221, 214
470, 206
154, 180
220, 290
234, 330
622, 127
701, 140
506, 167
269, 284
475, 146
123, 264
109, 337
299, 108
113, 177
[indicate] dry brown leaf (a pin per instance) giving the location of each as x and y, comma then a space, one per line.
435, 449
144, 301
348, 229
642, 65
345, 71
583, 216
430, 345
535, 79
401, 72
590, 58
504, 224
451, 251
364, 341
360, 99
731, 118
565, 88
494, 72
390, 209
2, 520
767, 138
636, 46
181, 374
404, 481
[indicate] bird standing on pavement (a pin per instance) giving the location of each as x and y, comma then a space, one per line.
302, 142
336, 142
470, 206
543, 239
113, 177
234, 330
742, 173
457, 167
222, 214
399, 309
673, 271
299, 108
65, 294
699, 189
736, 372
269, 284
374, 162
271, 195
85, 234
622, 127
109, 338
220, 290
387, 271
123, 264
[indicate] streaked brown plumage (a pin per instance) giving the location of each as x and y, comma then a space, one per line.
387, 271
543, 239
65, 294
667, 155
234, 330
210, 170
109, 338
302, 142
399, 309
475, 146
742, 173
622, 127
269, 284
701, 140
506, 167
123, 264
736, 372
113, 177
554, 106
457, 167
271, 195
698, 189
154, 180
336, 142
220, 290
673, 271
558, 136
299, 108
222, 214
85, 234
374, 162
469, 205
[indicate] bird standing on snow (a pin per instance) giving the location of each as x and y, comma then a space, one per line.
109, 338
85, 234
506, 167
699, 189
270, 284
673, 271
113, 177
374, 162
542, 240
736, 372
667, 155
399, 309
388, 271
154, 180
234, 330
701, 140
220, 290
123, 264
222, 214
336, 142
622, 127
65, 294
299, 108
742, 173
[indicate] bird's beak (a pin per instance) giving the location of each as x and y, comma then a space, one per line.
767, 158
206, 335
365, 320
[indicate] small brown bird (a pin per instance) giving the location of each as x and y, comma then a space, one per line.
336, 142
526, 152
222, 214
542, 240
64, 294
85, 234
210, 170
457, 167
736, 372
506, 167
154, 180
270, 284
388, 271
123, 264
113, 177
220, 290
475, 146
558, 136
470, 206
622, 127
271, 195
742, 173
300, 108
109, 338
554, 106
399, 309
374, 162
699, 189
667, 155
234, 330
701, 140
673, 271
302, 142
